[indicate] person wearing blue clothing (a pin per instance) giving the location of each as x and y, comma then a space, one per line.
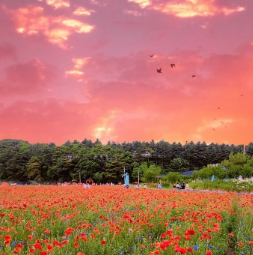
126, 179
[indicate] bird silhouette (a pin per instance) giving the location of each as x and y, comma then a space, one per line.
151, 55
172, 65
159, 70
194, 76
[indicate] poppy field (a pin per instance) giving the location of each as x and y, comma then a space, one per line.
113, 220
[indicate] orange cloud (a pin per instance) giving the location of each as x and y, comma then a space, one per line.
173, 105
136, 102
57, 4
79, 63
214, 124
80, 11
188, 8
36, 121
142, 3
77, 26
57, 29
74, 73
104, 130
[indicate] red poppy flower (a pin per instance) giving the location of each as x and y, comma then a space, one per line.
37, 246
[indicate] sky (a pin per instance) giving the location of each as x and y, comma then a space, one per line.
71, 70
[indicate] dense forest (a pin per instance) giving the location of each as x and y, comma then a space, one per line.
48, 163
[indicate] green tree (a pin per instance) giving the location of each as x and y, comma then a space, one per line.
34, 169
115, 165
238, 164
150, 174
173, 177
14, 155
139, 169
179, 165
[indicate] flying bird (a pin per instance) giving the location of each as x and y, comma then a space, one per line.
159, 70
194, 76
172, 65
151, 55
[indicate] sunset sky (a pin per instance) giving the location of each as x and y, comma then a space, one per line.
82, 69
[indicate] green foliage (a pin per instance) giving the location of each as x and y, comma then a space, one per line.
147, 173
115, 166
209, 171
173, 177
14, 157
151, 173
229, 185
34, 169
22, 161
179, 165
139, 169
236, 165
236, 159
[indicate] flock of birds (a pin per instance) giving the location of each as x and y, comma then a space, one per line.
159, 70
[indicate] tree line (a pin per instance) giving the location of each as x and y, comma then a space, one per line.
22, 161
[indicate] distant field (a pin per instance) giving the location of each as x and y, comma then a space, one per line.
112, 220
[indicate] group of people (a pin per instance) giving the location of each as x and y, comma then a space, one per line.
138, 186
179, 186
86, 185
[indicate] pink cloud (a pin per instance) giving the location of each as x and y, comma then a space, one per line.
47, 121
108, 87
137, 103
25, 78
172, 105
7, 51
32, 20
188, 8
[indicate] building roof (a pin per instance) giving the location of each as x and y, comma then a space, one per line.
188, 173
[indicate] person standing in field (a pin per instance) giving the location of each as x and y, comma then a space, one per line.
160, 184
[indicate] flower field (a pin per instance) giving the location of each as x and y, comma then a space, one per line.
113, 220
